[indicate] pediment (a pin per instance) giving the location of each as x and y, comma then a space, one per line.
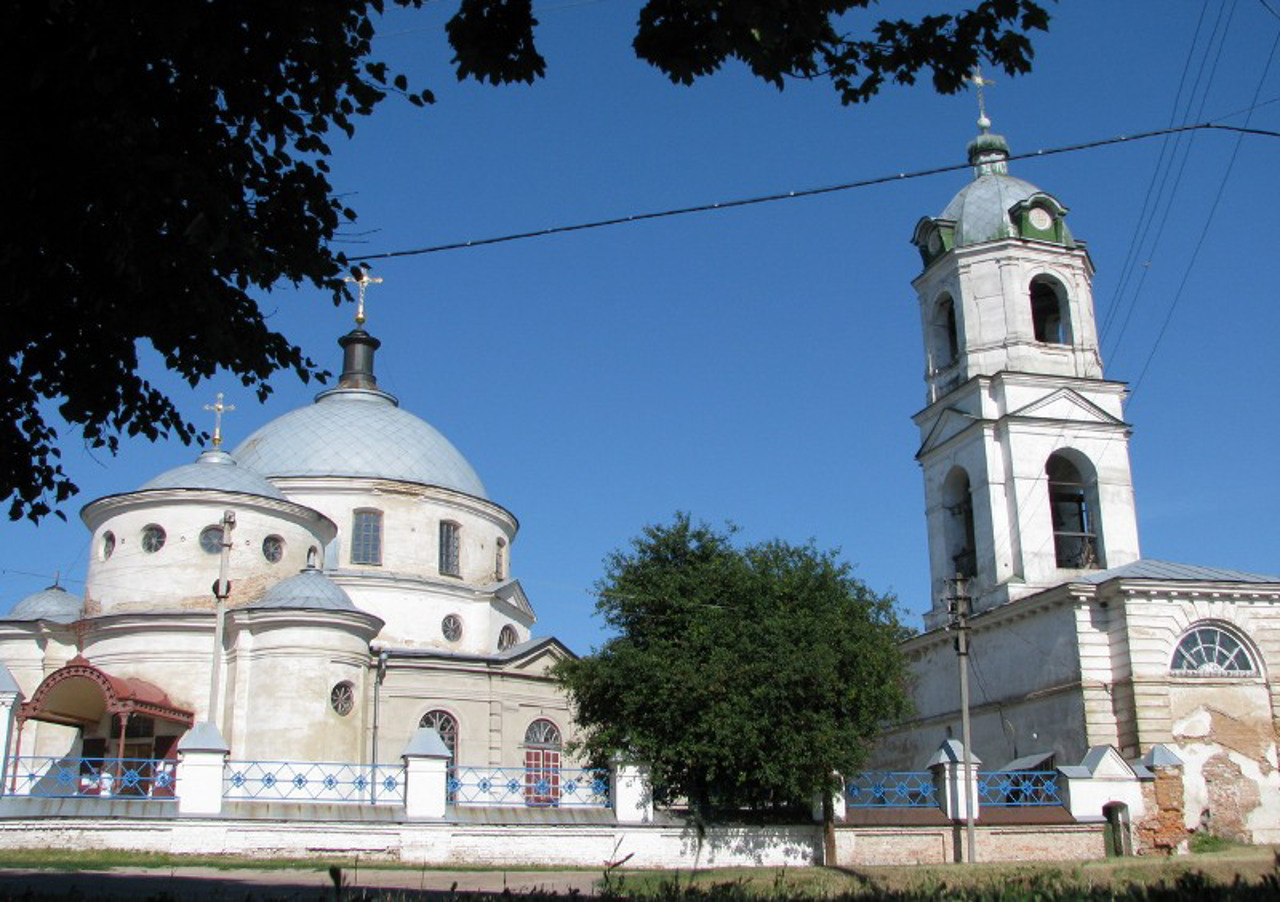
1067, 405
1104, 762
950, 423
512, 593
540, 659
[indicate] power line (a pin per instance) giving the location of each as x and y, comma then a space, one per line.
793, 195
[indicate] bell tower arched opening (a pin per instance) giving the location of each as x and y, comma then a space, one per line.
1050, 314
1073, 506
957, 501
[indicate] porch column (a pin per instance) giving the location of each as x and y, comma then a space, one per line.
10, 697
202, 756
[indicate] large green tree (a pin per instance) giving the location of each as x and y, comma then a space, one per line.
745, 677
166, 166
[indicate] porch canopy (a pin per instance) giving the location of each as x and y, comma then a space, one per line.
78, 694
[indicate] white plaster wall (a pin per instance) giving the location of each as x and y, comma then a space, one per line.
181, 574
32, 652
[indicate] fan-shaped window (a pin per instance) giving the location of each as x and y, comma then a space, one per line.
449, 562
507, 637
446, 725
542, 763
1073, 505
366, 537
1209, 650
153, 538
1049, 313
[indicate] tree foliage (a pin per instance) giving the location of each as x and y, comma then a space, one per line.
744, 677
167, 162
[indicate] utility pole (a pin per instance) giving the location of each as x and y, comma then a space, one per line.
221, 589
958, 605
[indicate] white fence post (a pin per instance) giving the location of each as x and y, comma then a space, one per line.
426, 775
947, 767
631, 792
202, 757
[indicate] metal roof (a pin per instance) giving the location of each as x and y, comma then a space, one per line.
310, 590
1166, 570
216, 470
55, 604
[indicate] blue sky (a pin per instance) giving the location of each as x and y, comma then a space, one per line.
761, 365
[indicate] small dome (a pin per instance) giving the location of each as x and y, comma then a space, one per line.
216, 470
54, 603
358, 432
309, 589
980, 210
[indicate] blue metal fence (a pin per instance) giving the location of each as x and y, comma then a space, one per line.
1019, 788
570, 787
68, 777
891, 789
304, 781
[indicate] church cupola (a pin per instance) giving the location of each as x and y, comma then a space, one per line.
1024, 445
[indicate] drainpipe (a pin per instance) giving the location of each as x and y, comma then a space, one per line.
378, 677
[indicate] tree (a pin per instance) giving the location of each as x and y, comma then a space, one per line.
744, 677
176, 167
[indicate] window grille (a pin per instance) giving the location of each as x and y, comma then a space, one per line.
211, 540
153, 538
449, 565
366, 537
1209, 650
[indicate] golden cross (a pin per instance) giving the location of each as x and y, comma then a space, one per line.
218, 409
979, 82
365, 279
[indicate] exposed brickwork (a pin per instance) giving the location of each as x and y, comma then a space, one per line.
1162, 830
1231, 798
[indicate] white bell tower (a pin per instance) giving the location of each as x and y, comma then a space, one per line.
1024, 446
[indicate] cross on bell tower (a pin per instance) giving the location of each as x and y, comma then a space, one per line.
1024, 445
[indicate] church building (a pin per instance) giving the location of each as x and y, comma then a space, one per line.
371, 592
1076, 640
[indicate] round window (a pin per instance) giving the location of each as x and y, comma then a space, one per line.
507, 637
451, 626
342, 698
273, 549
211, 539
108, 544
153, 537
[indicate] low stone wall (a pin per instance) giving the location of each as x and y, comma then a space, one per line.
649, 846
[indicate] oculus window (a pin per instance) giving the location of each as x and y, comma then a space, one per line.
211, 539
451, 627
366, 537
153, 538
342, 698
273, 549
1209, 650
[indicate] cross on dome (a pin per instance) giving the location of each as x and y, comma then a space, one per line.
362, 281
979, 82
218, 409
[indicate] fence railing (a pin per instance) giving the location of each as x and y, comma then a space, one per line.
299, 781
891, 789
1019, 788
65, 777
569, 787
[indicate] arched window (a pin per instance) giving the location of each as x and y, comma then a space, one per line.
507, 637
1073, 506
446, 725
542, 763
1049, 313
946, 338
1210, 650
366, 537
449, 563
957, 500
500, 560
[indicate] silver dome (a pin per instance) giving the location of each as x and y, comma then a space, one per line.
216, 470
358, 432
54, 603
310, 589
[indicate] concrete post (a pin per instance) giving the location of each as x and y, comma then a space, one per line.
202, 758
10, 698
947, 767
426, 775
631, 793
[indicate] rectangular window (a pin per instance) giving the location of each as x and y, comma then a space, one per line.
366, 537
449, 549
499, 561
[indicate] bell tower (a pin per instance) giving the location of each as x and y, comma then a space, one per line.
1024, 446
